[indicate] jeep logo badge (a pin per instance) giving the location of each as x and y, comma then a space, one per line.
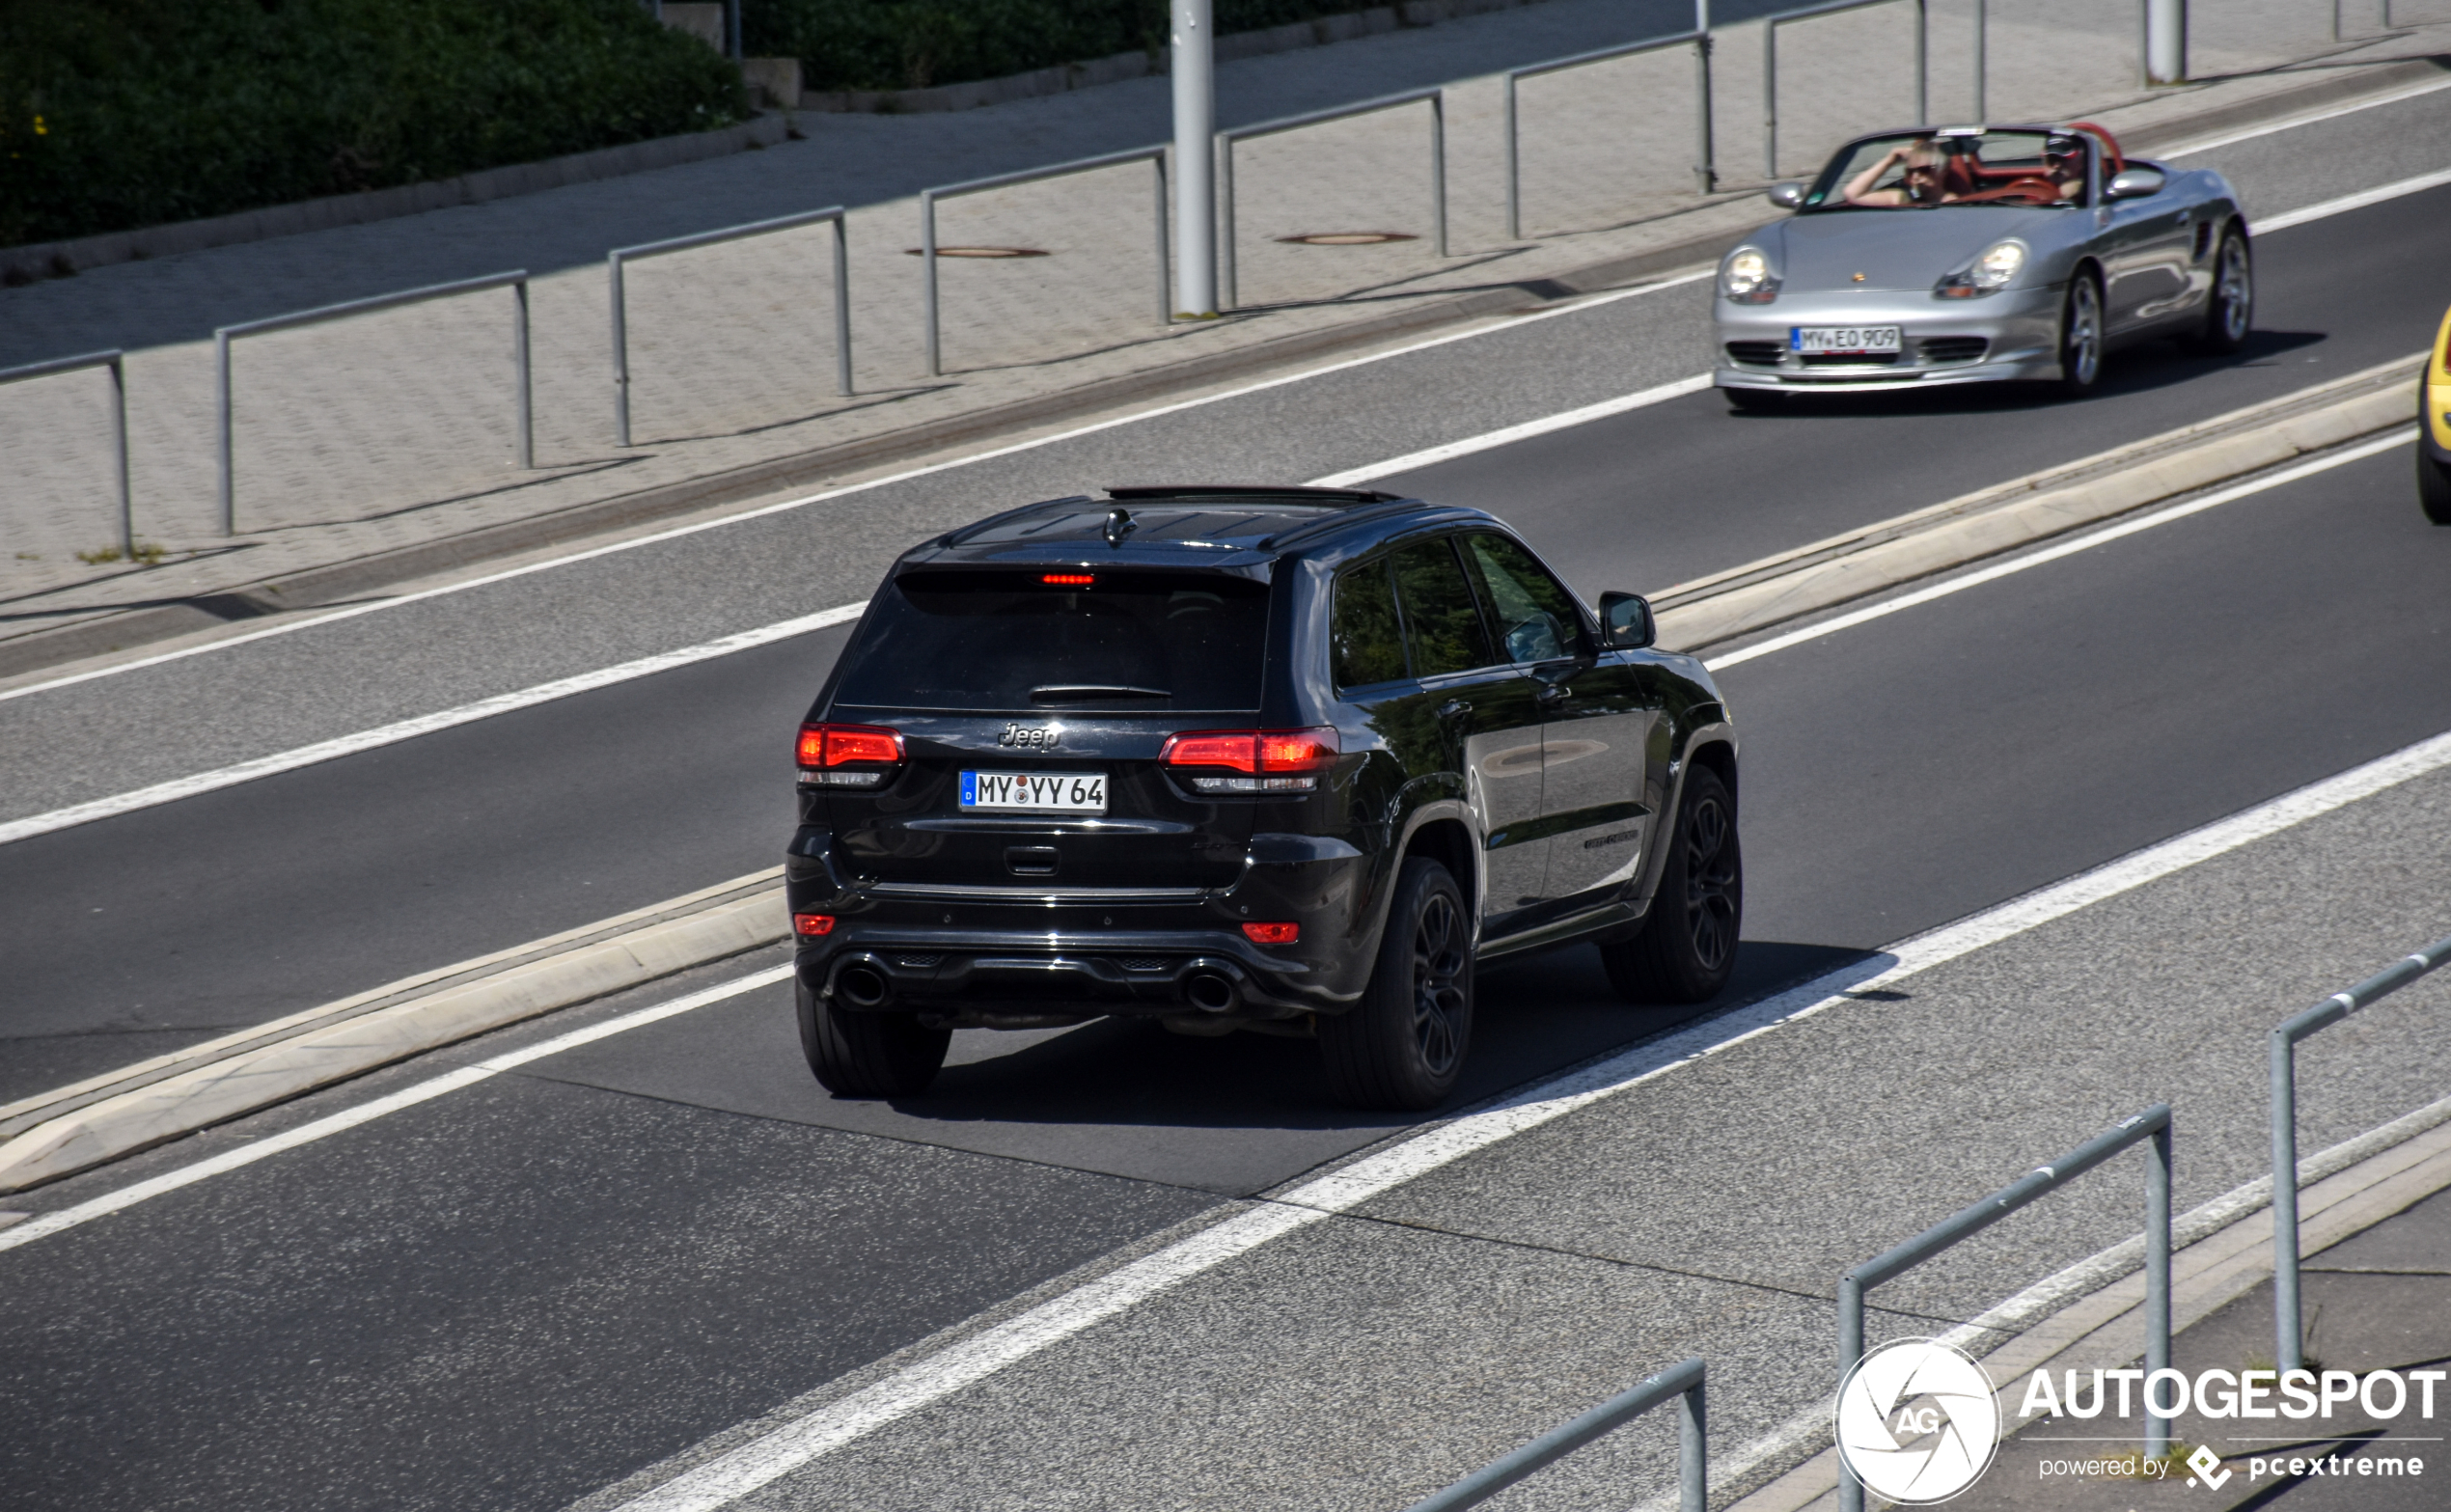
1029, 739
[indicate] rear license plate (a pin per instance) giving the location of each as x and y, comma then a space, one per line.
1844, 341
1041, 792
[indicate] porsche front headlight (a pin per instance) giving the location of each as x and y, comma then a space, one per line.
1995, 271
1746, 278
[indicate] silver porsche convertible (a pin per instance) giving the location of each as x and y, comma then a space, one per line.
1976, 254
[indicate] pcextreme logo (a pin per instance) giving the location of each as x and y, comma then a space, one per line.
1918, 1421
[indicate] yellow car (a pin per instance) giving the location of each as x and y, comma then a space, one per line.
2434, 429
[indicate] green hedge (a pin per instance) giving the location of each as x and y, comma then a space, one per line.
118, 114
892, 44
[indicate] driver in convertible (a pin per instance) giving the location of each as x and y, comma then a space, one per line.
1922, 182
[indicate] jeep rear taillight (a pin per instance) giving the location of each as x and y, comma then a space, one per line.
848, 756
1251, 760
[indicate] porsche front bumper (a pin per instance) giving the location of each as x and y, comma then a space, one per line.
2002, 338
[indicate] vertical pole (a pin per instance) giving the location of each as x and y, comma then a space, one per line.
1706, 171
1769, 109
1982, 59
1692, 1452
928, 261
1437, 166
1922, 66
1850, 1350
2335, 20
221, 417
1165, 305
620, 352
527, 405
2288, 1339
119, 450
843, 305
732, 30
1230, 290
1514, 171
2157, 1318
2166, 41
1194, 66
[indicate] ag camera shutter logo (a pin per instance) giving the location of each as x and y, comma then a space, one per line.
1918, 1421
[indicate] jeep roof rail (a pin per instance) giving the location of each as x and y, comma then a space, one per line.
1285, 494
961, 533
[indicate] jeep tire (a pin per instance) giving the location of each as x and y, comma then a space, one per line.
869, 1054
1401, 1045
1686, 946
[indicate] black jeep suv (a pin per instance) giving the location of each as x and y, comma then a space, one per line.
1283, 759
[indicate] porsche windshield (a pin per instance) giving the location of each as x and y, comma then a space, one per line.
1924, 170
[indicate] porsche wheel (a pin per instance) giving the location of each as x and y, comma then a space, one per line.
2080, 337
2231, 309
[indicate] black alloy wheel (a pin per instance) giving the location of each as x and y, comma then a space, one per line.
2081, 336
1403, 1044
2230, 310
1686, 946
869, 1054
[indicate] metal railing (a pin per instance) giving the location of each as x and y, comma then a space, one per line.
516, 281
1705, 170
620, 255
2154, 1124
117, 367
1692, 1454
2289, 1344
1770, 66
1434, 96
928, 197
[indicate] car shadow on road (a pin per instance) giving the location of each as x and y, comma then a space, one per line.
2137, 370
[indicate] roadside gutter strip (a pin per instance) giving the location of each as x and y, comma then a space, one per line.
79, 1127
76, 1128
2228, 1253
116, 631
2024, 510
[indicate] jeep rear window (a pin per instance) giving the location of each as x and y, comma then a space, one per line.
1015, 642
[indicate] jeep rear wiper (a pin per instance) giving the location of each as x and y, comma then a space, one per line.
1076, 692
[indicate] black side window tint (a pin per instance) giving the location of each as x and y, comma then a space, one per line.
1536, 616
1442, 624
1367, 644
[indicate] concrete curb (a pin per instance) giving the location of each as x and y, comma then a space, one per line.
75, 1128
121, 630
49, 258
2105, 1329
1841, 569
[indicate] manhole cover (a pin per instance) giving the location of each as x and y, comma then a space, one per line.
978, 252
1349, 238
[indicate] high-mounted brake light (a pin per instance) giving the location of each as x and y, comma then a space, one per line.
1273, 934
1068, 579
827, 750
1268, 760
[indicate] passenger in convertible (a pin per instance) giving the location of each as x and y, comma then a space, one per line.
1922, 182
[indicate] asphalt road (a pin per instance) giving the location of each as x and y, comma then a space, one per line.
520, 1293
269, 898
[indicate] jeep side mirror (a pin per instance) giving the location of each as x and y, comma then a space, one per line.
1787, 196
2136, 183
1625, 622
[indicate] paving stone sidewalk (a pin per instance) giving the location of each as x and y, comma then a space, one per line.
387, 431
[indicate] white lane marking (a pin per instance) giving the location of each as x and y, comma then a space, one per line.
410, 728
2293, 123
1495, 326
2351, 201
43, 1226
1564, 421
761, 1461
2069, 548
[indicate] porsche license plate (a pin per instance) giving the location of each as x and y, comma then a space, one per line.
1844, 341
1042, 793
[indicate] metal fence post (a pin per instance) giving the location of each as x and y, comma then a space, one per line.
1164, 301
1437, 166
1982, 59
928, 261
842, 304
2166, 41
1693, 1450
1770, 97
1685, 1381
620, 349
115, 361
1228, 289
1514, 171
1850, 1351
221, 421
1706, 172
527, 404
1922, 66
2288, 1339
2158, 1279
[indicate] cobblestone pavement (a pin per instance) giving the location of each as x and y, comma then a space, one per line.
388, 429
